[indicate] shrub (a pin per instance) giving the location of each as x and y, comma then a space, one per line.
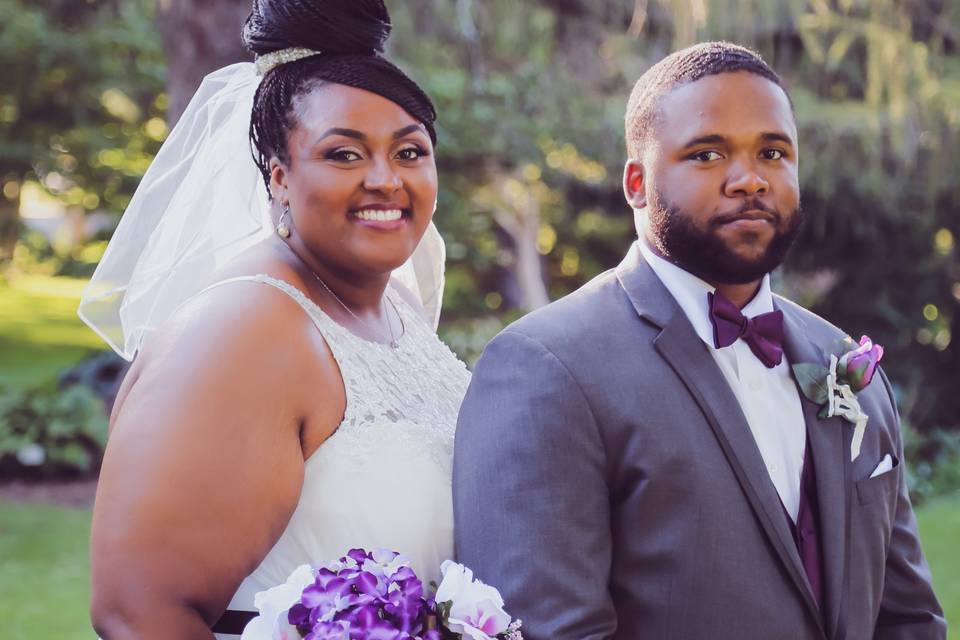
48, 432
933, 463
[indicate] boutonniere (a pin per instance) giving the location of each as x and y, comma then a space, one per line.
835, 386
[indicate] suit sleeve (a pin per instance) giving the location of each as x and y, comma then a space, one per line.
908, 606
531, 506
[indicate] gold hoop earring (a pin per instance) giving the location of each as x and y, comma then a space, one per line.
282, 229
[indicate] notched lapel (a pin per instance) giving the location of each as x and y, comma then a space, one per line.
680, 346
829, 441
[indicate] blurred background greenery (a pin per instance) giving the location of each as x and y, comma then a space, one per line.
531, 98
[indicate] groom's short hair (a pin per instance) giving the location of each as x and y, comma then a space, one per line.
682, 67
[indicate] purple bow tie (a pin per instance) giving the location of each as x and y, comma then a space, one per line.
762, 333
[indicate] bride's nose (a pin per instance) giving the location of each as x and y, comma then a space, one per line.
383, 177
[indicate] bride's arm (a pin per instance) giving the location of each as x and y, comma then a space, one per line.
204, 465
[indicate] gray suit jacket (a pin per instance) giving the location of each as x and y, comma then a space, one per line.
607, 482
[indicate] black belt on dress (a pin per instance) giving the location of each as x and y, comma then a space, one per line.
233, 622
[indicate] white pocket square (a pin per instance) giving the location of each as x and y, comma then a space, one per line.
885, 465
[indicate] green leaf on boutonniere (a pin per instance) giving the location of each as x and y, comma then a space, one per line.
840, 347
824, 410
812, 379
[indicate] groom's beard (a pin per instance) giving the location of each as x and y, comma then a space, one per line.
705, 254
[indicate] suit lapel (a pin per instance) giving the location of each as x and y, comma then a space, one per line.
829, 441
681, 347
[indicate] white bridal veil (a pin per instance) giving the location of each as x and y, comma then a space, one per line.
201, 203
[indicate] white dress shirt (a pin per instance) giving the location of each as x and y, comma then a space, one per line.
768, 397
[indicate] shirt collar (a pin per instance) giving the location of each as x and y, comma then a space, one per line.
690, 292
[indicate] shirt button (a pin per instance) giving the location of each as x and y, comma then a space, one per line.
772, 468
756, 385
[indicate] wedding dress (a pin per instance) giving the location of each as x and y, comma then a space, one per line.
383, 479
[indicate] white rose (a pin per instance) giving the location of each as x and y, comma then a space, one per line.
273, 605
476, 609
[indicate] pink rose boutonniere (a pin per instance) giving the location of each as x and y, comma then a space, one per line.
835, 386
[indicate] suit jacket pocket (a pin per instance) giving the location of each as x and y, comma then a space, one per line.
881, 486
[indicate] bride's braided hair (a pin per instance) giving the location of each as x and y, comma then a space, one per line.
350, 34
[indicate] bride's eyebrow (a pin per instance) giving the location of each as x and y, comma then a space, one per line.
359, 135
399, 133
339, 131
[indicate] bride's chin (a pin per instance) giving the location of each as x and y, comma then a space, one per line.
384, 256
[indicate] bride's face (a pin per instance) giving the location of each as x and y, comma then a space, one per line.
361, 181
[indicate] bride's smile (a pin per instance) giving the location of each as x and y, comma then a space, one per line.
360, 179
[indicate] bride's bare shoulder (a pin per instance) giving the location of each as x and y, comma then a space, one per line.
239, 313
243, 332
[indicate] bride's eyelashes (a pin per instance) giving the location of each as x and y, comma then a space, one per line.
343, 154
346, 155
412, 152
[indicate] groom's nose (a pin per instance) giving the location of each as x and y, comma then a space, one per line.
744, 179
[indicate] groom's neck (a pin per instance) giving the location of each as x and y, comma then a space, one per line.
738, 294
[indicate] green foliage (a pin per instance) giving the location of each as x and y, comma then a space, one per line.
34, 254
531, 97
812, 379
47, 432
81, 103
933, 463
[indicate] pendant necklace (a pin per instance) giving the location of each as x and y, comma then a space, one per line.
394, 341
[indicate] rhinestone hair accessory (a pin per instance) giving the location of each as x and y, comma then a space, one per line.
273, 59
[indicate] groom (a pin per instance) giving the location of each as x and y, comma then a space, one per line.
637, 459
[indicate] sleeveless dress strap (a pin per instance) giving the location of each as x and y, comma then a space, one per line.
339, 339
323, 322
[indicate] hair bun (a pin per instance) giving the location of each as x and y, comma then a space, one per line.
330, 26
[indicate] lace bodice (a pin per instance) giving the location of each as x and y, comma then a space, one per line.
382, 480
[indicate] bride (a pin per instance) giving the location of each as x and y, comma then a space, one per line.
290, 398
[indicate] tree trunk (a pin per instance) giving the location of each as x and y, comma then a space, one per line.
199, 36
9, 227
522, 223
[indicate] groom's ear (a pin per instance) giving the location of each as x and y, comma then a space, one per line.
634, 184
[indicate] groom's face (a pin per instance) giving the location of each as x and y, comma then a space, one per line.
718, 177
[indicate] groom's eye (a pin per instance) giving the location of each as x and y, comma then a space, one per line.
706, 156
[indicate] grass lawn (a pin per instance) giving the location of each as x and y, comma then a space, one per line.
40, 332
44, 573
939, 523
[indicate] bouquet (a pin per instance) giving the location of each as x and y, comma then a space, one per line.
377, 596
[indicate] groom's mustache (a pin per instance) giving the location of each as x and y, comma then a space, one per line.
751, 209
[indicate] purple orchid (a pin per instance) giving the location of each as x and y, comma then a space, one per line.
378, 596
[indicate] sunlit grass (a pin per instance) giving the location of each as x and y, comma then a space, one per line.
45, 573
939, 523
40, 332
